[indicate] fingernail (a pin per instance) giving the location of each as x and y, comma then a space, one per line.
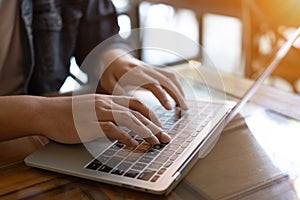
153, 140
184, 106
168, 105
165, 138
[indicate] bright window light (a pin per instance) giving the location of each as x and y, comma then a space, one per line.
125, 25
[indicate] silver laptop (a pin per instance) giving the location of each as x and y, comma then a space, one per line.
155, 169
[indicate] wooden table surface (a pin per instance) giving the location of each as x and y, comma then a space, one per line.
237, 168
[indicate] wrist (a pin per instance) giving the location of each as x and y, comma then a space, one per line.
20, 116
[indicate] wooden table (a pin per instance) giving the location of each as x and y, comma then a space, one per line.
238, 167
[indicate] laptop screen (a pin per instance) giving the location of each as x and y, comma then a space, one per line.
201, 79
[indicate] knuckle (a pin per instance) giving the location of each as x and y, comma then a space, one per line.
170, 75
125, 115
101, 102
131, 115
99, 108
136, 114
156, 85
97, 97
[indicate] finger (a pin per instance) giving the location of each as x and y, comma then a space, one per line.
138, 77
110, 111
128, 119
163, 137
157, 131
114, 132
178, 98
159, 93
152, 139
170, 87
172, 77
154, 86
136, 105
125, 117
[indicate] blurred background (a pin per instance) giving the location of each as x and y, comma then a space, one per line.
239, 36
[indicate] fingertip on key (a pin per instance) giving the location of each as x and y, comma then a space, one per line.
133, 143
165, 138
152, 140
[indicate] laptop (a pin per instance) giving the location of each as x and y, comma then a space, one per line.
159, 168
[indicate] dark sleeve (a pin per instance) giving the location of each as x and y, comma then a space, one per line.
98, 23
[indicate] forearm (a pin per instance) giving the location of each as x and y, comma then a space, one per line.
20, 116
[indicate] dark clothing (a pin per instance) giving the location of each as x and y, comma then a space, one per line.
53, 31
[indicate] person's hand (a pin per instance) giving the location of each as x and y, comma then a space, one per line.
84, 118
125, 70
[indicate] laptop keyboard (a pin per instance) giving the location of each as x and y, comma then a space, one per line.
149, 162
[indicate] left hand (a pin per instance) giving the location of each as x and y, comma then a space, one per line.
126, 70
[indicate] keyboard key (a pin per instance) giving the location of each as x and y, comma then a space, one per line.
184, 134
191, 127
190, 139
173, 132
105, 168
133, 157
167, 153
146, 175
158, 146
174, 157
114, 161
161, 171
179, 126
179, 151
178, 140
117, 146
194, 134
152, 152
124, 166
155, 178
117, 172
173, 120
94, 165
102, 159
185, 144
131, 174
139, 166
122, 153
168, 124
146, 159
155, 165
161, 159
168, 164
109, 152
172, 146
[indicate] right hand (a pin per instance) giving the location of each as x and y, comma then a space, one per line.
84, 118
